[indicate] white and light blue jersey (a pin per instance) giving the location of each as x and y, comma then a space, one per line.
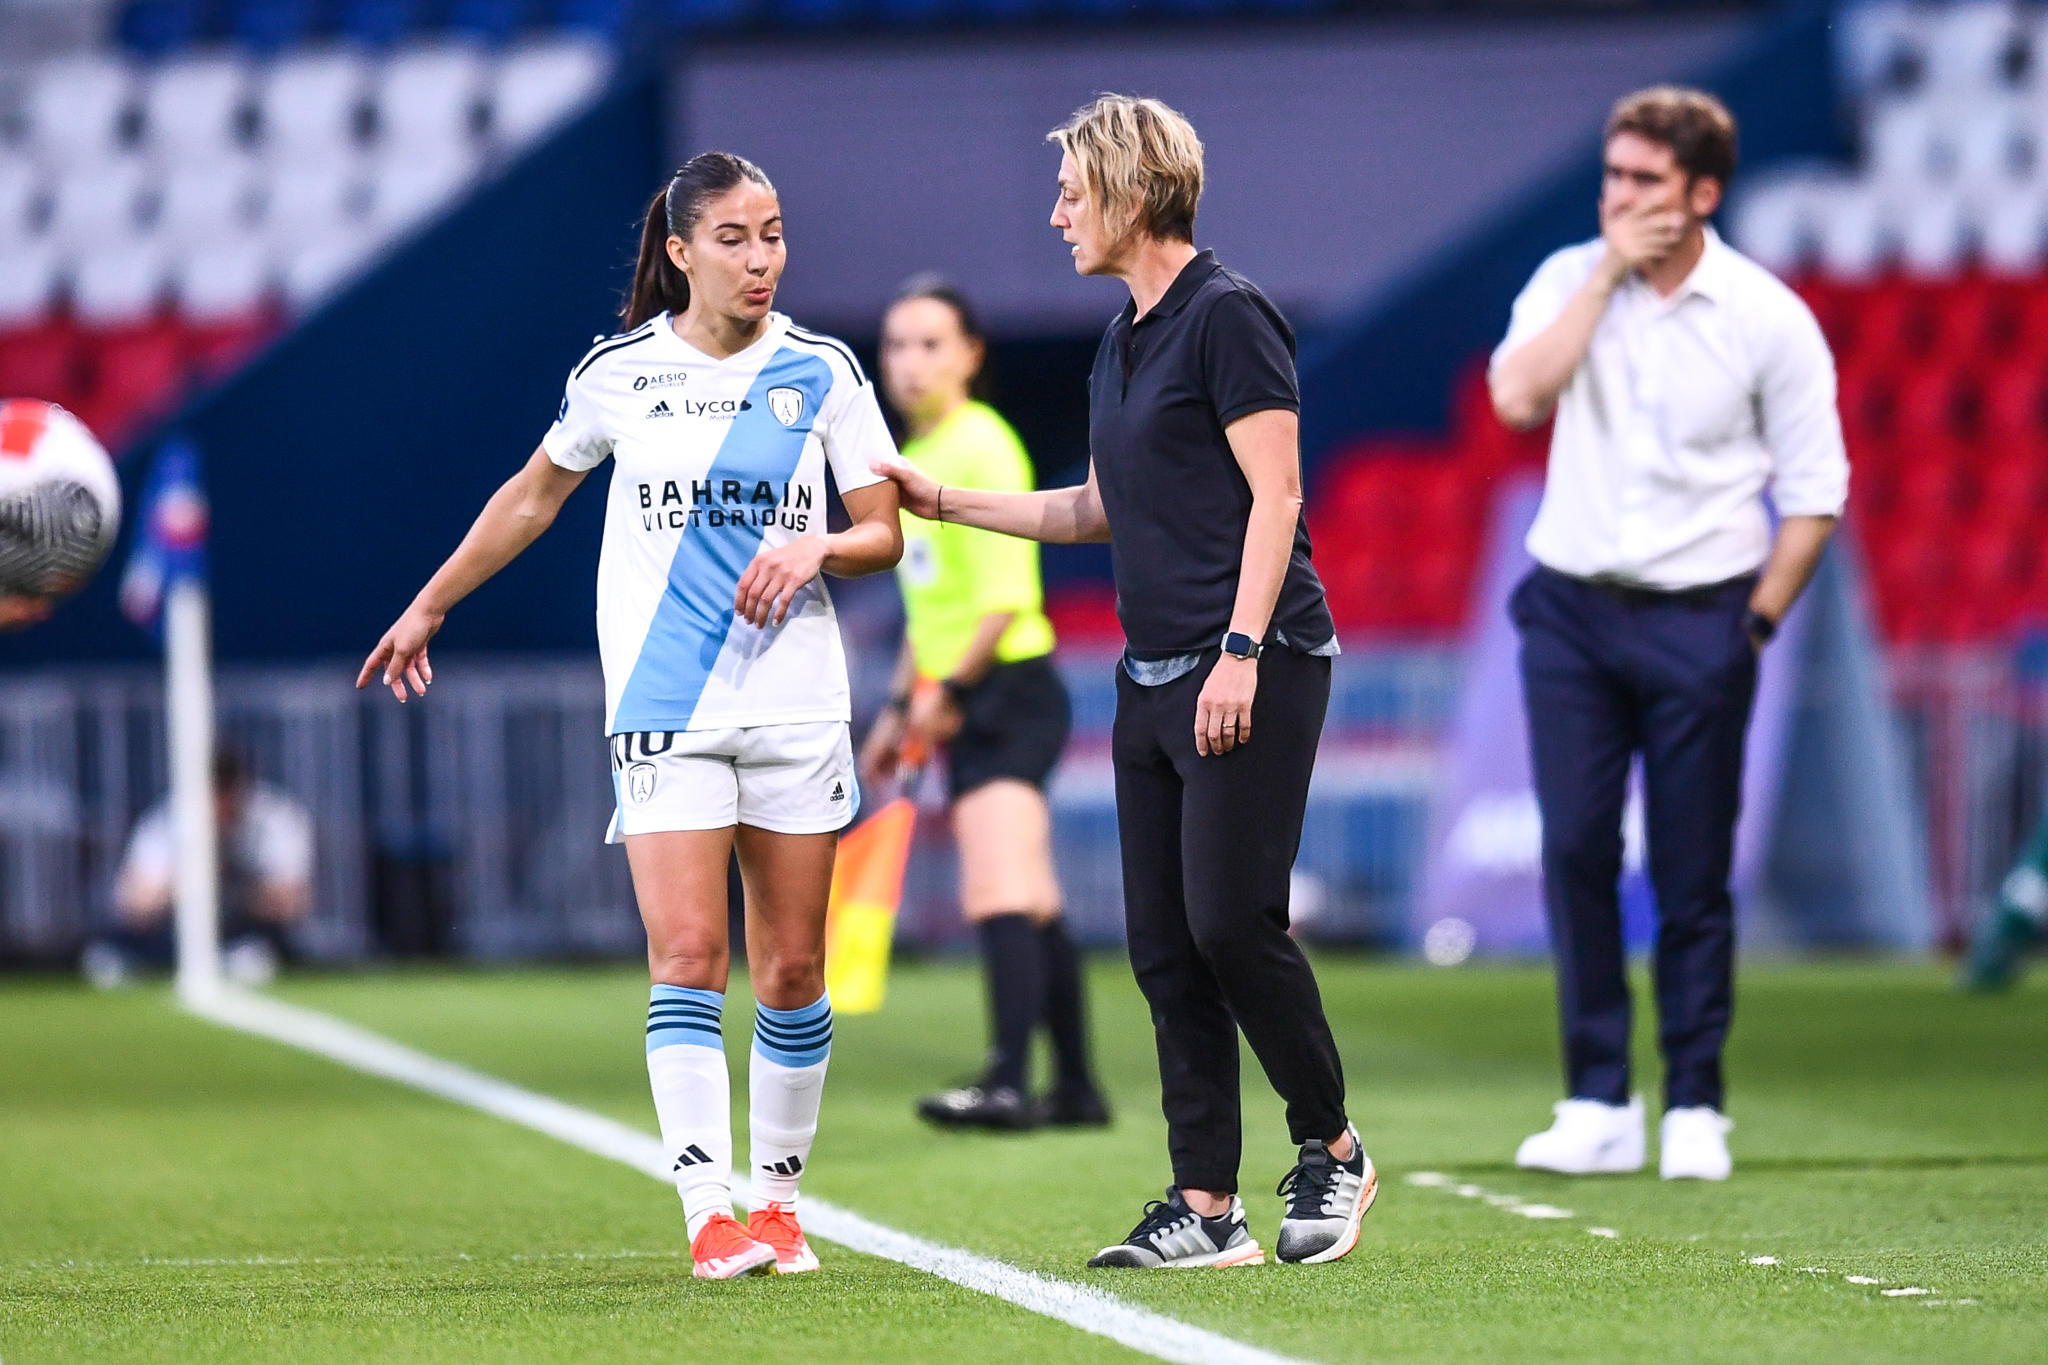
715, 460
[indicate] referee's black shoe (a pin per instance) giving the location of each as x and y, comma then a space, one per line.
1172, 1236
1326, 1201
1000, 1107
1061, 1108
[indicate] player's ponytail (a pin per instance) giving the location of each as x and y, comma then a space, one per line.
658, 282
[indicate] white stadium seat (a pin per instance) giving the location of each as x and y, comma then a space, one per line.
200, 202
224, 281
1774, 220
1853, 239
1880, 45
76, 107
1906, 144
96, 202
1933, 234
2012, 233
1974, 47
192, 108
428, 97
21, 196
310, 103
409, 189
117, 285
314, 269
313, 196
541, 83
29, 277
1994, 143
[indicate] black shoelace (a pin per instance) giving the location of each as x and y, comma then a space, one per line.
1160, 1215
1309, 1184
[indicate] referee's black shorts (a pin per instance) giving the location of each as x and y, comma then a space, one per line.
1014, 724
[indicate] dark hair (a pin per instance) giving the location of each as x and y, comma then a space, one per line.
1697, 128
674, 212
939, 289
230, 770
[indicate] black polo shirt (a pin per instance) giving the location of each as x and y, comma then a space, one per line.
1212, 350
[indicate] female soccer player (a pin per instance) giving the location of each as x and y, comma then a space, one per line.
1195, 481
725, 684
976, 636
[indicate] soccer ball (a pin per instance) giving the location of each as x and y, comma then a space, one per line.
60, 507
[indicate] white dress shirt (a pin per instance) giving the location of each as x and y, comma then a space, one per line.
1684, 411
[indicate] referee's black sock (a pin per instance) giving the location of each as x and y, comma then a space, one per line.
1066, 1009
1016, 995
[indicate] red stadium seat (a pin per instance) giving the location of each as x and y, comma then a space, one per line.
138, 374
43, 362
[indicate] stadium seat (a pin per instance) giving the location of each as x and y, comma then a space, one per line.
136, 374
1852, 241
224, 281
378, 23
194, 108
1933, 235
156, 28
2012, 233
311, 104
313, 269
427, 99
313, 195
43, 362
118, 285
491, 21
21, 195
216, 349
1974, 46
1881, 47
603, 18
1774, 221
77, 108
710, 14
202, 202
96, 202
539, 83
271, 26
407, 188
1906, 146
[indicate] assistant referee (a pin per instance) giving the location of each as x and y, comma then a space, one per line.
976, 678
1195, 482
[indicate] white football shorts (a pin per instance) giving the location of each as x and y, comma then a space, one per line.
789, 779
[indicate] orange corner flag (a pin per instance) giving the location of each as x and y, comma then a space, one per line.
860, 920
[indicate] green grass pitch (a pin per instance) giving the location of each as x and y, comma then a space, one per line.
171, 1192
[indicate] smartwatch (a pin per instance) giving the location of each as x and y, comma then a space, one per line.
1760, 627
1239, 645
955, 690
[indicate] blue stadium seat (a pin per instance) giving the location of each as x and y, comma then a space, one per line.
920, 11
822, 13
156, 28
702, 14
494, 21
607, 18
271, 25
378, 23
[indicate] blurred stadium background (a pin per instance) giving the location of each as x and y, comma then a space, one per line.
350, 247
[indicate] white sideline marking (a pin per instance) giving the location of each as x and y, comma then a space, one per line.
1508, 1203
1078, 1305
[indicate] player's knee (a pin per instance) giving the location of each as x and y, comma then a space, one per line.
699, 965
788, 980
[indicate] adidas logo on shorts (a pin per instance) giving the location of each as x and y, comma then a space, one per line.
838, 790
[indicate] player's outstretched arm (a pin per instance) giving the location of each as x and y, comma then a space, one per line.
1053, 516
523, 507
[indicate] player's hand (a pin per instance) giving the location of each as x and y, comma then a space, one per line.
1223, 713
774, 579
920, 493
19, 611
878, 756
1640, 238
401, 656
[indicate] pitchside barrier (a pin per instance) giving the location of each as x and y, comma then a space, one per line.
472, 823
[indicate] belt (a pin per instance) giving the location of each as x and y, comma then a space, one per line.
1638, 595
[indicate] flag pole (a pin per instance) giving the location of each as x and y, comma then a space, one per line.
188, 707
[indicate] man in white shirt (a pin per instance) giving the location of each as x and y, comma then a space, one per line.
1686, 382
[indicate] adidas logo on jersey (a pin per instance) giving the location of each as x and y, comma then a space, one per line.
692, 1155
661, 409
793, 1166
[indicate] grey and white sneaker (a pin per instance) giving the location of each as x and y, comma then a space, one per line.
1326, 1201
1172, 1236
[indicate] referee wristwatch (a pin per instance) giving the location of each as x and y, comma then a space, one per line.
1239, 645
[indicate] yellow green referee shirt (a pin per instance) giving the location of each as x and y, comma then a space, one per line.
952, 575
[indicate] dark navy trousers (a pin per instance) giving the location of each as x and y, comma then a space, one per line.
1609, 673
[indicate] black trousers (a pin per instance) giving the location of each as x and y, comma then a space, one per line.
1609, 673
1208, 848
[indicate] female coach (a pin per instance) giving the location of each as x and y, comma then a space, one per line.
975, 633
725, 685
1195, 482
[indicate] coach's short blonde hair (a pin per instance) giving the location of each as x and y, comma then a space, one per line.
1140, 160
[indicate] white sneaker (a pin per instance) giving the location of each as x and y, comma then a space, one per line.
1587, 1138
1693, 1144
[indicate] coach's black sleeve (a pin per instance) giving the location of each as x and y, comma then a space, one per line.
1248, 358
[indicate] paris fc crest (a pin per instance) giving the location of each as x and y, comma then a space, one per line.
787, 404
640, 782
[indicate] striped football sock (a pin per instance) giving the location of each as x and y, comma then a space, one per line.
786, 1082
692, 1097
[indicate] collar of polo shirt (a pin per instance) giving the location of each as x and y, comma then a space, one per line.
1183, 288
1709, 277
